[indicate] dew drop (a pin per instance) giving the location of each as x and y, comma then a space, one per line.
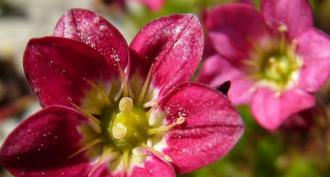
36, 90
102, 28
96, 19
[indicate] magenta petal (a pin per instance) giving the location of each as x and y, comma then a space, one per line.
40, 146
295, 14
216, 70
57, 69
153, 167
271, 109
314, 48
95, 31
233, 28
211, 128
174, 45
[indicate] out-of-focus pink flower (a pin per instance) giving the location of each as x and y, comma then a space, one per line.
113, 110
274, 58
153, 5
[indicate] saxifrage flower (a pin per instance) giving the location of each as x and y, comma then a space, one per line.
275, 59
112, 110
153, 5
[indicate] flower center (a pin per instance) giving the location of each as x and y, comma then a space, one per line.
129, 127
125, 124
275, 63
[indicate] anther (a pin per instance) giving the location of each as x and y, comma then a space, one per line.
180, 120
272, 60
126, 104
119, 131
282, 28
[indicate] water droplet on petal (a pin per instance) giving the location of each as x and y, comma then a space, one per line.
102, 28
36, 90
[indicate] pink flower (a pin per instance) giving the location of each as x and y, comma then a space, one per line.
153, 5
111, 110
274, 58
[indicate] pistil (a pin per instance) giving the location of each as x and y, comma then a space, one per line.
119, 131
125, 104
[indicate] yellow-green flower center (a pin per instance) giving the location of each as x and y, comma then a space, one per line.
275, 63
129, 127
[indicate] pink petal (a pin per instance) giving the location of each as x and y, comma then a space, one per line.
152, 167
209, 49
296, 15
40, 146
233, 28
95, 31
57, 69
216, 70
271, 110
314, 48
174, 46
241, 90
211, 128
154, 5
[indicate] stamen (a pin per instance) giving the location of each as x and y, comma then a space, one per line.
126, 104
162, 129
150, 104
258, 48
125, 163
155, 116
145, 87
86, 147
282, 29
124, 81
119, 131
157, 153
92, 121
139, 151
108, 153
100, 91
